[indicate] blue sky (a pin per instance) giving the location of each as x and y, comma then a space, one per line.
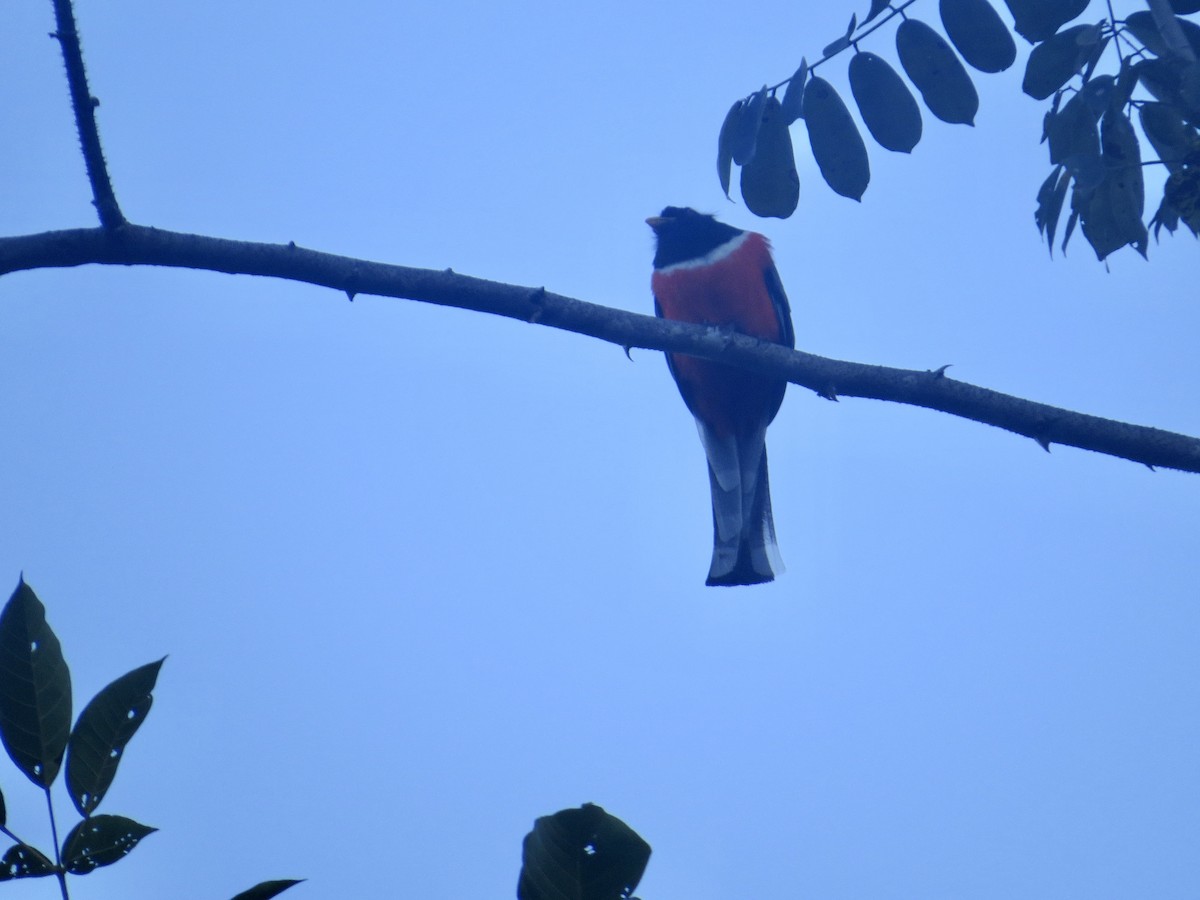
425, 575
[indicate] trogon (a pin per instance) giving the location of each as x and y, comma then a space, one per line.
709, 273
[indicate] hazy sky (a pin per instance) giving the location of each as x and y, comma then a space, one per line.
426, 575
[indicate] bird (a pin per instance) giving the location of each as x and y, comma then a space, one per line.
710, 273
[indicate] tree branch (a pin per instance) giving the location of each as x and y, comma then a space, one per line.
139, 245
85, 116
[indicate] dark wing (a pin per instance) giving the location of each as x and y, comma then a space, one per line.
787, 335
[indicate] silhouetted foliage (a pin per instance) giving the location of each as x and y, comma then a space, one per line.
1094, 149
581, 854
35, 726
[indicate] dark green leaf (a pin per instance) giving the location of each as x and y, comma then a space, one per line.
268, 889
841, 43
793, 97
1174, 83
1173, 139
1074, 135
1037, 20
581, 854
745, 132
770, 185
1146, 30
1111, 213
1054, 62
932, 66
980, 36
1050, 203
101, 841
1182, 192
23, 861
35, 692
105, 726
1166, 217
887, 106
837, 146
725, 145
877, 6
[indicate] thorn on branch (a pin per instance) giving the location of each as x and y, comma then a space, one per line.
1043, 443
291, 245
350, 295
940, 372
628, 348
95, 102
828, 393
448, 271
1150, 467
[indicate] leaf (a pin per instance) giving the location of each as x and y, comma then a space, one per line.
581, 854
1054, 62
793, 97
978, 33
101, 841
1074, 136
24, 861
105, 726
35, 692
1144, 27
1172, 82
843, 42
1185, 7
725, 145
267, 889
932, 66
1182, 192
888, 107
837, 146
1111, 213
1050, 202
745, 133
770, 185
1037, 20
3, 812
1172, 139
877, 6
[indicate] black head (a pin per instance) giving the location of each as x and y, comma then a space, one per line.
685, 234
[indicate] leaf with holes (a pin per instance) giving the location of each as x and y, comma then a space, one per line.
1111, 213
582, 854
792, 107
978, 33
1037, 20
1055, 62
887, 105
932, 66
770, 184
105, 726
23, 861
101, 841
267, 889
35, 692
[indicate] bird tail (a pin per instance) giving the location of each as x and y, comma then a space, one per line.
744, 547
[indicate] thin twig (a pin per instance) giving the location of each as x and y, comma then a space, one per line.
84, 106
139, 245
